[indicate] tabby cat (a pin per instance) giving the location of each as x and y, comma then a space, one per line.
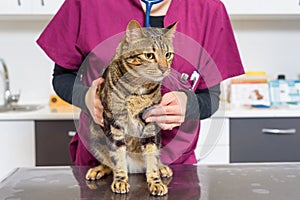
132, 84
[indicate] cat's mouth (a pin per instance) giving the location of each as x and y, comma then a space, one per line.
153, 76
157, 78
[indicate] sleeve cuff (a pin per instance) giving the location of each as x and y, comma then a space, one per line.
192, 107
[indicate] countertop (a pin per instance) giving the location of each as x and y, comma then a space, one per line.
45, 113
230, 111
225, 111
205, 182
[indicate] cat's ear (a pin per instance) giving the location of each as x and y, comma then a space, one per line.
170, 31
133, 31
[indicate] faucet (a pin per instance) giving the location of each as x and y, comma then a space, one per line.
9, 98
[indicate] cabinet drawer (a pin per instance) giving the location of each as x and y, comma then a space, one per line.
265, 140
52, 142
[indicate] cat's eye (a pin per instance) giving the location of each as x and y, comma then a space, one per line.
169, 55
149, 56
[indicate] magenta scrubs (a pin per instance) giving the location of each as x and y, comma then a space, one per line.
204, 41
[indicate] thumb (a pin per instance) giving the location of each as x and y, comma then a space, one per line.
167, 99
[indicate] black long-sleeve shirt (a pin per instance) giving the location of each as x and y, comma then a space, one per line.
201, 104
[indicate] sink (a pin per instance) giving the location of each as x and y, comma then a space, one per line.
20, 108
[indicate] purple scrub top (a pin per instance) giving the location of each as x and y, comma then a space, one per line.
204, 41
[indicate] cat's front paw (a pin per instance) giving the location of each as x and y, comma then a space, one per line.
120, 186
165, 171
157, 188
98, 172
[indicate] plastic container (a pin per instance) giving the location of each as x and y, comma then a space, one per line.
284, 92
252, 77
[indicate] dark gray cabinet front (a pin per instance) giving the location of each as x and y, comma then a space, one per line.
264, 140
52, 138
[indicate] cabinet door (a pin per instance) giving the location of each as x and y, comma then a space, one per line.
52, 142
16, 145
258, 7
213, 142
265, 140
48, 7
9, 7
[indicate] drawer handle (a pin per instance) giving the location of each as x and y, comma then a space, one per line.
71, 133
275, 131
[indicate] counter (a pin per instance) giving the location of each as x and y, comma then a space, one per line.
230, 111
206, 182
250, 112
45, 113
225, 111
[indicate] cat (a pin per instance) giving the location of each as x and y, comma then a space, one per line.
132, 85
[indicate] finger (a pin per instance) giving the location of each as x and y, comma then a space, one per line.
97, 104
167, 119
164, 110
98, 107
167, 99
98, 117
95, 85
98, 81
168, 126
100, 122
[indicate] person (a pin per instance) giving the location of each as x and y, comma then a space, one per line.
81, 25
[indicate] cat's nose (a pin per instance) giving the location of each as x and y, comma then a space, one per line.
162, 68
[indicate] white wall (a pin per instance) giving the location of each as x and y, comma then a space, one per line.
29, 68
269, 45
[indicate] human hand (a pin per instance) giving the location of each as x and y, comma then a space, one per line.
170, 112
93, 102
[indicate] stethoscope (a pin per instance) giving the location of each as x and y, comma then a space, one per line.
195, 75
149, 4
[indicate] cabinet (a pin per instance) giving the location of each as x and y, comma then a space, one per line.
213, 142
265, 7
46, 7
234, 7
52, 138
29, 7
15, 7
264, 139
16, 145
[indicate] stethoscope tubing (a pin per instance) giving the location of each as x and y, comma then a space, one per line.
149, 4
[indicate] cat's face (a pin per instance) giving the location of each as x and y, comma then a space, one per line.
153, 64
151, 51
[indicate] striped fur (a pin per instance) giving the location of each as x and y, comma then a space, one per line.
132, 84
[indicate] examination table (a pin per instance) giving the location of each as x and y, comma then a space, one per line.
190, 182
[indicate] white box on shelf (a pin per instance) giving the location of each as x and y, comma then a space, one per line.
250, 94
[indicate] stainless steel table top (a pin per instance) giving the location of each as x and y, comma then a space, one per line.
212, 182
